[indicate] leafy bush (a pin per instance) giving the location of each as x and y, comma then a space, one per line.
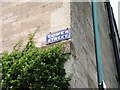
33, 68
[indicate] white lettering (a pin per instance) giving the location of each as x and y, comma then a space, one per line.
59, 37
52, 39
55, 38
58, 33
62, 32
66, 35
53, 35
66, 31
62, 37
49, 40
48, 36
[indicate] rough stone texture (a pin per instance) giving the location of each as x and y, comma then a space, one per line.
20, 18
107, 54
82, 63
66, 46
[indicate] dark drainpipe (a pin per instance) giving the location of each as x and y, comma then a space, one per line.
115, 26
113, 37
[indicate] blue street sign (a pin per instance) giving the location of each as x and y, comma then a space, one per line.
58, 36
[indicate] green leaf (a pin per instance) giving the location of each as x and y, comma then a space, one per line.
34, 68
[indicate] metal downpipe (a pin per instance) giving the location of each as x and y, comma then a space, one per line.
97, 47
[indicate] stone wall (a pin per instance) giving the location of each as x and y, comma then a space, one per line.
107, 53
82, 64
21, 18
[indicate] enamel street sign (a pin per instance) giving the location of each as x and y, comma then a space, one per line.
58, 36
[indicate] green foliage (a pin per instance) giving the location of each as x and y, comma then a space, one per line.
34, 69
